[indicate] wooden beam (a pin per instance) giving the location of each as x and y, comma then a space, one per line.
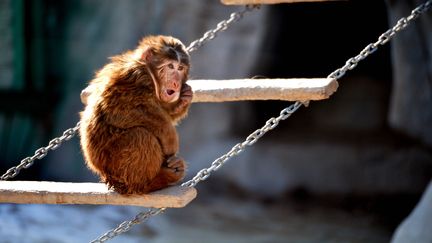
244, 2
44, 192
298, 89
262, 89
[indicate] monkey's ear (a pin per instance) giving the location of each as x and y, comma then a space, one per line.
146, 54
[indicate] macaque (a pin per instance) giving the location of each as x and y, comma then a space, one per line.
127, 130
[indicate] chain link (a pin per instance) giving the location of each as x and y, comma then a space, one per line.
238, 148
127, 225
221, 26
382, 40
40, 153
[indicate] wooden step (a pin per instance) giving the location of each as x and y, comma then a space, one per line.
44, 192
295, 89
299, 89
244, 2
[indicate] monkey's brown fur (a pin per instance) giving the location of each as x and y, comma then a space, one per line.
127, 131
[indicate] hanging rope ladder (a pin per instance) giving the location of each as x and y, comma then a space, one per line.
299, 90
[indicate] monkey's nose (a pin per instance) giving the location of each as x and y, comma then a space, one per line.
176, 85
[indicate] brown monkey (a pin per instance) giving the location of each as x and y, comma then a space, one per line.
127, 127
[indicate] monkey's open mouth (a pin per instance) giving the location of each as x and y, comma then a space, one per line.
170, 95
170, 92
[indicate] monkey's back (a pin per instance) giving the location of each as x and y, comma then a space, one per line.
125, 158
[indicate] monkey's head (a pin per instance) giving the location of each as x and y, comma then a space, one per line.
167, 62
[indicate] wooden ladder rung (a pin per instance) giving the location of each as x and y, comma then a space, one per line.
244, 2
299, 89
44, 192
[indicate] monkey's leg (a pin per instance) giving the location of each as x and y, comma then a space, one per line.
136, 159
141, 165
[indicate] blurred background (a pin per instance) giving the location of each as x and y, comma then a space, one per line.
346, 169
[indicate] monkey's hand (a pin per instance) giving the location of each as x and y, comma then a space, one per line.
181, 107
175, 168
186, 95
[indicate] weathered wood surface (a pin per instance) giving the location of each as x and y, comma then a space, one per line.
44, 192
243, 2
295, 89
262, 89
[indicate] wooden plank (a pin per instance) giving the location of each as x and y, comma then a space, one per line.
244, 2
262, 89
299, 89
44, 192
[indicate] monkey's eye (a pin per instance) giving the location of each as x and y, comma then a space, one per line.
180, 68
170, 66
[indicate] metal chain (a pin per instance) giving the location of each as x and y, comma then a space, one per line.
238, 148
383, 39
221, 26
40, 153
272, 122
127, 225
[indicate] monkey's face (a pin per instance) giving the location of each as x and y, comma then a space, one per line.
167, 62
172, 75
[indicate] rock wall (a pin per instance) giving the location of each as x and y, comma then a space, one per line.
411, 99
411, 102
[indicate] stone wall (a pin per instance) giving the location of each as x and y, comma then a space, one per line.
411, 104
411, 100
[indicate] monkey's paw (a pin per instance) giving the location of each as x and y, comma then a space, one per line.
185, 99
186, 93
175, 167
